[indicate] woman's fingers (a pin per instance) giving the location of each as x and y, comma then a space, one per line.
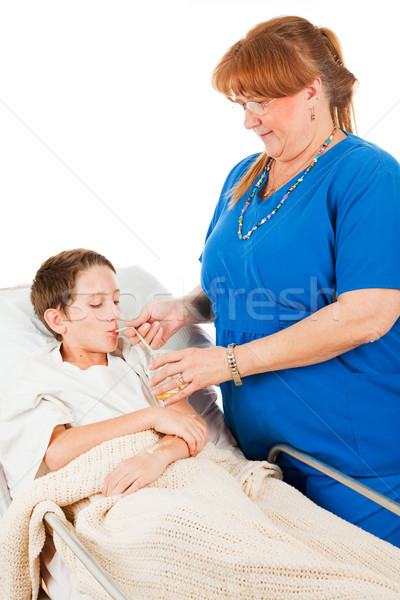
165, 366
143, 317
182, 389
199, 367
168, 313
141, 323
172, 384
131, 333
178, 396
164, 359
151, 332
158, 341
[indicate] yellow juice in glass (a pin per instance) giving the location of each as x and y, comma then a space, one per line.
167, 395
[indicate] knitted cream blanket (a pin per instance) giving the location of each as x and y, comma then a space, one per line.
213, 527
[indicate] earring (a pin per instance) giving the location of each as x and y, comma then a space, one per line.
313, 110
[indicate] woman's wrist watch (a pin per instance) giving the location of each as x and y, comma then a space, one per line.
232, 365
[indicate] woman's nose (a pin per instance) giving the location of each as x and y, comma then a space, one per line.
251, 120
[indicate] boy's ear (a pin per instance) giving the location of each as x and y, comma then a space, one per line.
55, 320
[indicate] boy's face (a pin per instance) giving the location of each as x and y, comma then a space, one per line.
92, 316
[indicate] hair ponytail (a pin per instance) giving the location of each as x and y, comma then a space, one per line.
332, 41
339, 82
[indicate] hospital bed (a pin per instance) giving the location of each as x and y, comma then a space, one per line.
22, 333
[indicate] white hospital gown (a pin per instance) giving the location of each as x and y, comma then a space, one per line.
45, 392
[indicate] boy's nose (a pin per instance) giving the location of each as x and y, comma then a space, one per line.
113, 313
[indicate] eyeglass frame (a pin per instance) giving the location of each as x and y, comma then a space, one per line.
257, 108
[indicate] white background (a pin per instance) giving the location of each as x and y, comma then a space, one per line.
112, 138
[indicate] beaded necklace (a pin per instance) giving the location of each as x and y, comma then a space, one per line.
285, 197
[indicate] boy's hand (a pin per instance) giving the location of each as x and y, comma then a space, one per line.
135, 473
190, 427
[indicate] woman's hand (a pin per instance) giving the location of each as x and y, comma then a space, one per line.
190, 427
198, 367
135, 473
157, 322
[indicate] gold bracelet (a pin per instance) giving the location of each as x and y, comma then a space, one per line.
232, 365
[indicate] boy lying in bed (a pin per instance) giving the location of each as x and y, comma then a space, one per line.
89, 386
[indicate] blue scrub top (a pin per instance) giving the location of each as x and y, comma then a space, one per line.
339, 230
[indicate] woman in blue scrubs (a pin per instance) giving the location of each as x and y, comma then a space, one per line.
301, 267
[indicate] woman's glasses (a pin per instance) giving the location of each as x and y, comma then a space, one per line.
258, 108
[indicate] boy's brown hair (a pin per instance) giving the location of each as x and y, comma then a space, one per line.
53, 285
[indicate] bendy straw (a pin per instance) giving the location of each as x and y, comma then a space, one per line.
152, 352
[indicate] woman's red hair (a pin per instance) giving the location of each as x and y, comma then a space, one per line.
279, 58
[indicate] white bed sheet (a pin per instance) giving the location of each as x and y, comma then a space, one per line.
58, 576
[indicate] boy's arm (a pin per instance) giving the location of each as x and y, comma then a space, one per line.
177, 447
66, 444
135, 473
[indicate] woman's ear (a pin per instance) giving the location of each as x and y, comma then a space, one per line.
313, 92
55, 320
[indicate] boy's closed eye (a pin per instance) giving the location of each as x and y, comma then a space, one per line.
116, 302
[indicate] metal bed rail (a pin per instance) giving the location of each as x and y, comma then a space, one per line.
71, 541
85, 557
326, 469
109, 585
5, 498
